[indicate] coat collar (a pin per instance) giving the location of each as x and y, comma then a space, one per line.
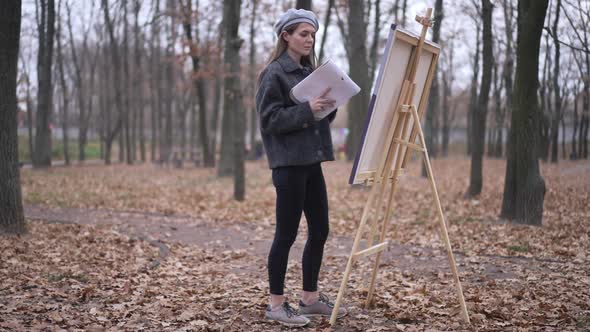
287, 63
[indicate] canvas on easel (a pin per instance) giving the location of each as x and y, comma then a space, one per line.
387, 91
398, 103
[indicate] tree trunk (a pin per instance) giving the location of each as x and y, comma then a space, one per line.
79, 88
585, 120
473, 94
507, 71
395, 11
524, 187
499, 113
303, 4
12, 220
490, 140
404, 9
170, 80
199, 84
181, 114
154, 81
116, 83
64, 90
556, 90
434, 97
121, 137
448, 79
563, 149
574, 154
226, 161
217, 94
233, 107
90, 102
445, 116
375, 41
545, 111
42, 152
479, 115
584, 123
30, 117
251, 87
359, 72
139, 103
326, 26
126, 81
103, 93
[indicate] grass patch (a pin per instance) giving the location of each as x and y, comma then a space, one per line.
523, 249
92, 149
461, 220
583, 323
418, 222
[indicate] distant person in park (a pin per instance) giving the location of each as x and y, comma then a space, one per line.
295, 145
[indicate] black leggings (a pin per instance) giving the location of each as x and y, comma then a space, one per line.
299, 188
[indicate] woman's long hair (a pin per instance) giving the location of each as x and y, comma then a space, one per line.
281, 46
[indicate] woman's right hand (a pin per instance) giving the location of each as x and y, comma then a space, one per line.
321, 103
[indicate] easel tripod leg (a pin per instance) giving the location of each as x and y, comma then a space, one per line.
355, 245
386, 219
443, 225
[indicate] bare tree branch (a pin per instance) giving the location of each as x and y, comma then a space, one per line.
573, 47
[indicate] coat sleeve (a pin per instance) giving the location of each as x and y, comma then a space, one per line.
275, 117
332, 116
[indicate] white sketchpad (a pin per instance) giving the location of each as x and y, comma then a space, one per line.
328, 75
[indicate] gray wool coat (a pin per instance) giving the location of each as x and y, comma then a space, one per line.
290, 134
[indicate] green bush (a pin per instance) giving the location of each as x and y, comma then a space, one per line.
92, 149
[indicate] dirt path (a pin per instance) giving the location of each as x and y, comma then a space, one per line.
255, 239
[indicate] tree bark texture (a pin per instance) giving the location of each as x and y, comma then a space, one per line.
508, 67
359, 72
303, 4
12, 220
126, 111
111, 134
218, 88
155, 81
473, 94
233, 106
524, 187
139, 78
199, 84
430, 127
326, 25
251, 88
556, 90
478, 127
64, 90
226, 160
375, 41
82, 121
42, 152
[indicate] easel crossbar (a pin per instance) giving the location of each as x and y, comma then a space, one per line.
369, 251
409, 145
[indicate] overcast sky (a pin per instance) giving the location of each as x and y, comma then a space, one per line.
457, 22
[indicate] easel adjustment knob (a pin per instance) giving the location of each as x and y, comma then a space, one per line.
426, 21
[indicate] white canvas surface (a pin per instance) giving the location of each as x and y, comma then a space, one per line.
386, 94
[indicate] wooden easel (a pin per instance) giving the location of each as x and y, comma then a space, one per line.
397, 149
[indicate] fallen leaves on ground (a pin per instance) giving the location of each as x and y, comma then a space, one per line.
515, 277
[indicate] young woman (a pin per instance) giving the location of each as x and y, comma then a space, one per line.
295, 145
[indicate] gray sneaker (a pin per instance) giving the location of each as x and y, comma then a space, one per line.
286, 315
323, 307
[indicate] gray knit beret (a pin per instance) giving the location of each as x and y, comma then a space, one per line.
293, 16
